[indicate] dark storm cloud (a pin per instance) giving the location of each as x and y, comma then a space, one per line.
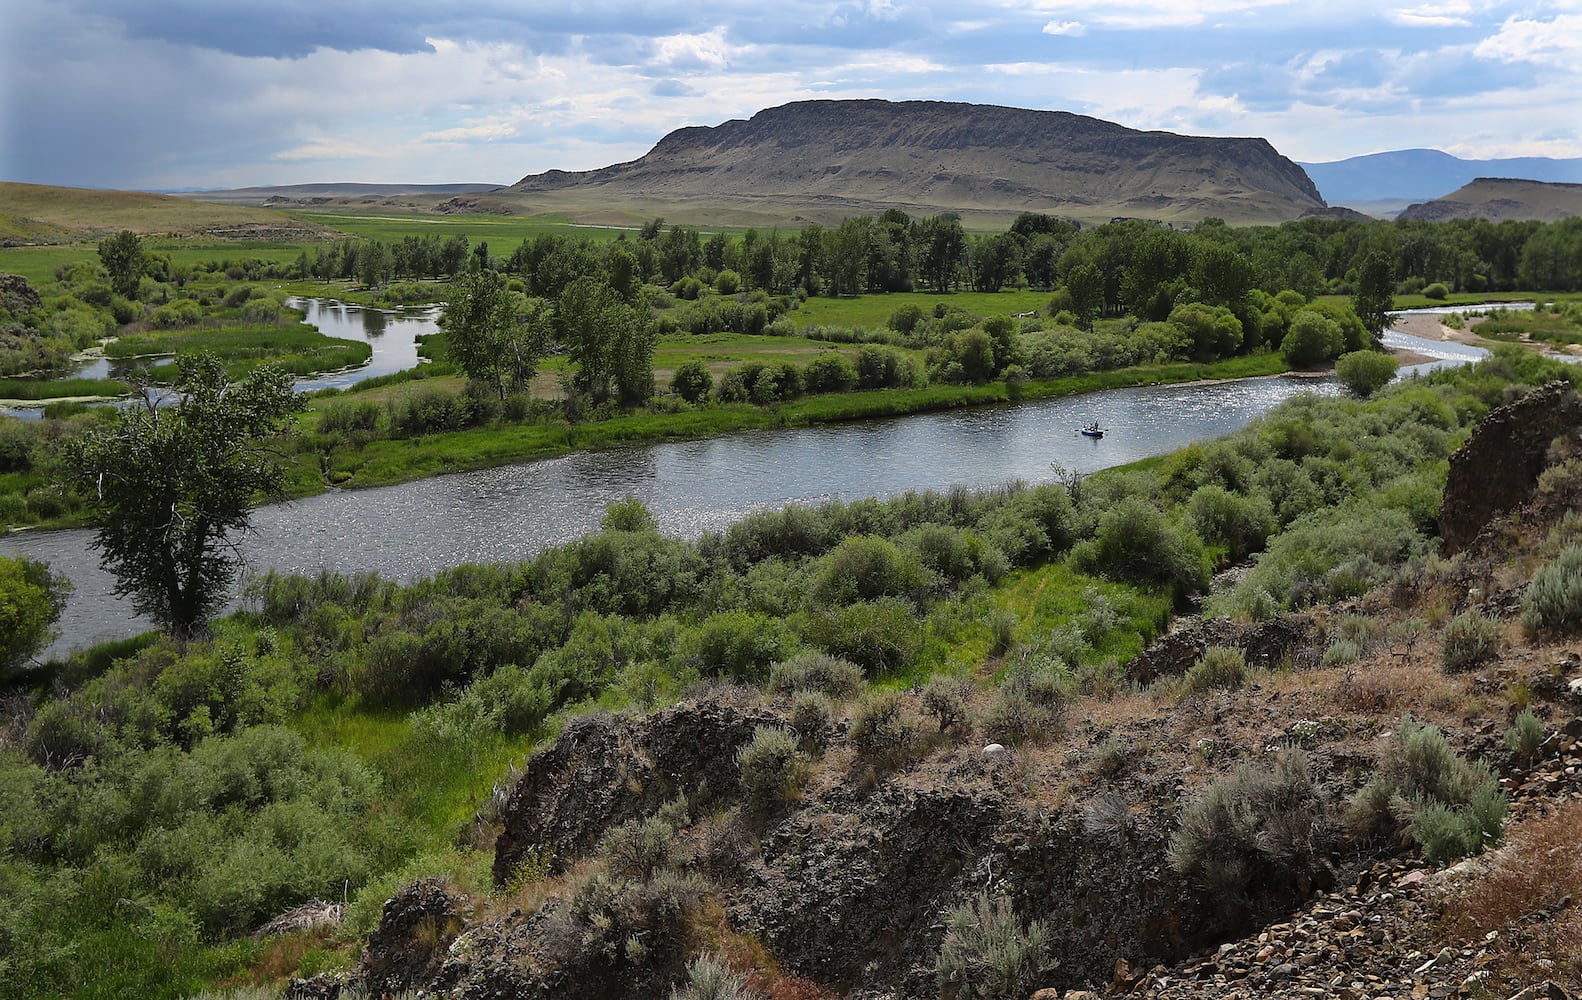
295, 28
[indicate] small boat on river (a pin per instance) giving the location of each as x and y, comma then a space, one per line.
1092, 430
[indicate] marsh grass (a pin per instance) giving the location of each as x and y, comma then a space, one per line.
28, 388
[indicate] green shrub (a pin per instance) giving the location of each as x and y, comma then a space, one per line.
1554, 598
627, 514
1331, 553
692, 381
879, 636
1261, 830
829, 372
1029, 705
811, 719
880, 730
1137, 543
1526, 735
906, 318
812, 670
1365, 372
866, 567
988, 954
772, 767
641, 848
1340, 652
345, 416
945, 700
1220, 667
737, 644
1449, 806
511, 699
390, 674
884, 368
1002, 631
709, 978
1240, 523
1471, 639
1436, 291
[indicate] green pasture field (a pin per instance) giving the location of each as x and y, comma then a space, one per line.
503, 233
1468, 299
723, 351
38, 264
874, 310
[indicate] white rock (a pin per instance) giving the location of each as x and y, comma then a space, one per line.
994, 749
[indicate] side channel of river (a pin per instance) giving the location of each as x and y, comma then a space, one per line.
514, 511
392, 335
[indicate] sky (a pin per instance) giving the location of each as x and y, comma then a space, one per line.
184, 94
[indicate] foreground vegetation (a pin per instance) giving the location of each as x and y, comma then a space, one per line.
164, 798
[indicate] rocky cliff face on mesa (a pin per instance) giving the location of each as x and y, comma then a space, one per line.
934, 156
1501, 200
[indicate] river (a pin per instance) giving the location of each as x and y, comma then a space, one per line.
512, 512
392, 335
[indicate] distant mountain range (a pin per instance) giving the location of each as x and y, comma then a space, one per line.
1386, 183
822, 160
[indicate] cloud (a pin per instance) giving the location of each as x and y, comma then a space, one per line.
1073, 29
708, 50
1455, 14
1556, 42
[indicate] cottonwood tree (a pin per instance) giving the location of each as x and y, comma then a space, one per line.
1375, 293
610, 342
122, 256
173, 486
31, 600
496, 335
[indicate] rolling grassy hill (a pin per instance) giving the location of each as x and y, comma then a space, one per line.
35, 213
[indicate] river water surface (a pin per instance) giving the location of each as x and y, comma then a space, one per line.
514, 511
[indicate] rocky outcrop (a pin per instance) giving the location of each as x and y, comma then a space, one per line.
1498, 467
1501, 199
849, 892
1379, 935
1266, 644
412, 940
605, 770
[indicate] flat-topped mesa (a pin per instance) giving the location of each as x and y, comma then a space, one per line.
922, 155
1501, 199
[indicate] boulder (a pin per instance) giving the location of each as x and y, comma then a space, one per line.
413, 937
